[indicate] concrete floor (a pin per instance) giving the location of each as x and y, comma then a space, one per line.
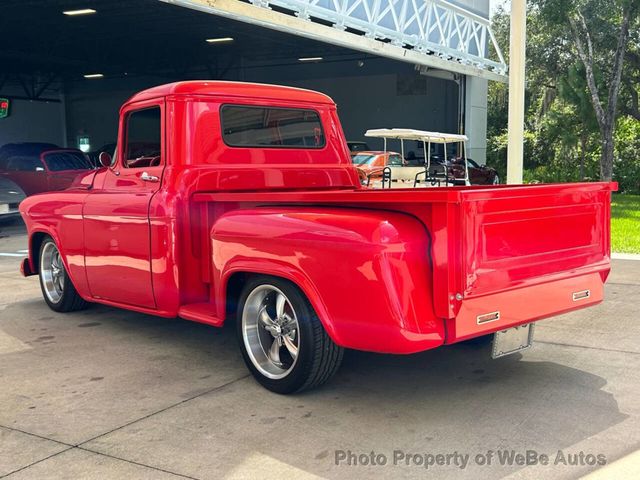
107, 393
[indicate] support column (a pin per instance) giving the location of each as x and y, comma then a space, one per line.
517, 56
475, 118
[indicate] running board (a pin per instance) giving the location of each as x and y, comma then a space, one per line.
201, 313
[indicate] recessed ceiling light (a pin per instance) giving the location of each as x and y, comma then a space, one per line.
82, 11
94, 75
220, 40
310, 59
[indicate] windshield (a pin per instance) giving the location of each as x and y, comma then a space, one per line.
363, 159
59, 161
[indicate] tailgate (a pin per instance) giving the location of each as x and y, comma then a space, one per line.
524, 253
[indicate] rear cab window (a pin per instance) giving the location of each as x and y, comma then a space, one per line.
271, 127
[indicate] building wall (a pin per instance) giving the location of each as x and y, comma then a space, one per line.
92, 107
380, 94
32, 121
386, 101
476, 118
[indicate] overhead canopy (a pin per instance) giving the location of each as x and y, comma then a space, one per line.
411, 134
428, 33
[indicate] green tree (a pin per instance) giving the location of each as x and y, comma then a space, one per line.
582, 121
599, 32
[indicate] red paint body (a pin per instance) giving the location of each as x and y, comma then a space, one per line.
388, 271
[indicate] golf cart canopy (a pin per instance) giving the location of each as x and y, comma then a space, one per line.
427, 138
411, 134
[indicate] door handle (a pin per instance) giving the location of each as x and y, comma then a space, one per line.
149, 178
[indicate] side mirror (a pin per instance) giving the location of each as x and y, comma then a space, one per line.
105, 159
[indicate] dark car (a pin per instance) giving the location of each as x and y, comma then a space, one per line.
39, 167
454, 167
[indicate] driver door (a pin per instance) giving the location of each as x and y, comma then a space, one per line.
116, 215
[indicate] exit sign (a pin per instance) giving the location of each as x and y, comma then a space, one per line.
4, 107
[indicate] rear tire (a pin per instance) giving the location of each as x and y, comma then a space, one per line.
57, 289
283, 343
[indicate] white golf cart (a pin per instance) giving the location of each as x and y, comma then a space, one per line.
426, 173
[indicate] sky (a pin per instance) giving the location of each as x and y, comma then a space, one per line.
494, 4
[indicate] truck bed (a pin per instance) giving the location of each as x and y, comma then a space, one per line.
500, 255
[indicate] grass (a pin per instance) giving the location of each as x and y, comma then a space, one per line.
625, 224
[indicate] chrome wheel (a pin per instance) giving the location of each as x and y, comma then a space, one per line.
52, 272
270, 331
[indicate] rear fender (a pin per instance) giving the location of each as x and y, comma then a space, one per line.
366, 273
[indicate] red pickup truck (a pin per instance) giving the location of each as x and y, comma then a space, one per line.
234, 200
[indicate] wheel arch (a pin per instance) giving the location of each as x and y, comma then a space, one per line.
35, 243
235, 277
36, 239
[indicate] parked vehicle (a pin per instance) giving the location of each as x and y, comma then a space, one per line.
478, 174
356, 147
419, 172
372, 163
10, 197
253, 210
455, 169
40, 168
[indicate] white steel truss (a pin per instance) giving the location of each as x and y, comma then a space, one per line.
432, 33
429, 26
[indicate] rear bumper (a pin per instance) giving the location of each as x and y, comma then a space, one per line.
487, 314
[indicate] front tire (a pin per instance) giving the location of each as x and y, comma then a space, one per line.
57, 289
282, 341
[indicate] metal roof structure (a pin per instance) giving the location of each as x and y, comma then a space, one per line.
431, 33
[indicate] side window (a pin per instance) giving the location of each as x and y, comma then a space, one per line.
248, 126
24, 164
395, 160
143, 138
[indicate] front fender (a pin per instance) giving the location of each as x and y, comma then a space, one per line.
366, 273
58, 215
